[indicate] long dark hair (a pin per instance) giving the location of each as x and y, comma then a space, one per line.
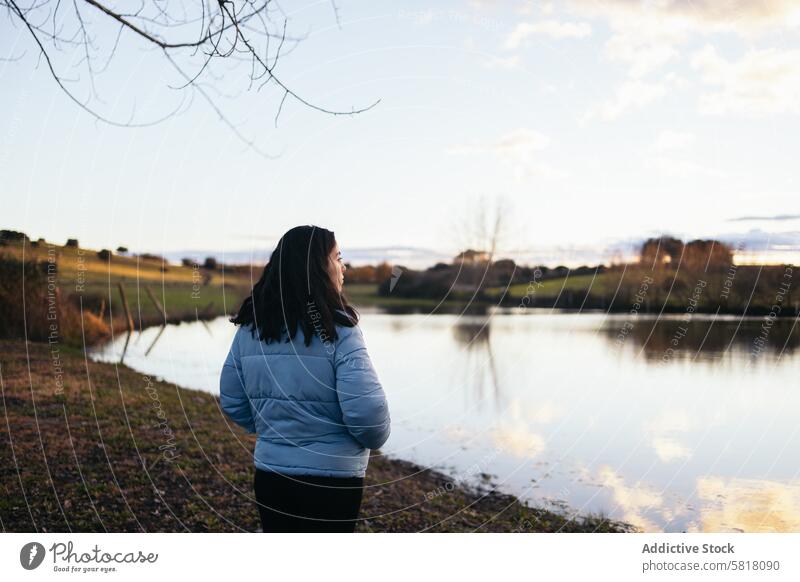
296, 290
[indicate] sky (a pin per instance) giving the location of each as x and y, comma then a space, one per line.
598, 124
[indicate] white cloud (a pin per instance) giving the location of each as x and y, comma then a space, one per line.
550, 28
508, 63
669, 140
518, 148
642, 49
661, 158
519, 145
763, 81
631, 94
680, 168
741, 16
731, 14
647, 35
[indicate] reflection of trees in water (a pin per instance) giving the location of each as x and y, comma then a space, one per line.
706, 338
481, 367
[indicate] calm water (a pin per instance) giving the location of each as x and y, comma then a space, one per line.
666, 425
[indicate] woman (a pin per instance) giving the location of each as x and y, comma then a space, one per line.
299, 376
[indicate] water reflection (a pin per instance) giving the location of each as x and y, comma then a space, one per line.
637, 503
556, 410
671, 339
480, 368
155, 340
747, 505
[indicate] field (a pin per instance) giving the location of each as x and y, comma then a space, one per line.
600, 284
184, 292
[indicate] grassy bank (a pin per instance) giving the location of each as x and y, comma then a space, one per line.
745, 290
96, 447
155, 290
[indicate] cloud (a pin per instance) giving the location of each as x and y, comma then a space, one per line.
551, 28
672, 166
643, 51
518, 148
647, 35
643, 37
763, 81
758, 246
631, 94
741, 16
730, 14
507, 63
764, 247
776, 217
669, 140
410, 256
519, 145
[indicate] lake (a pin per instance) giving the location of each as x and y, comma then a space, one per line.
669, 425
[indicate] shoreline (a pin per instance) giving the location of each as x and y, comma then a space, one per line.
118, 451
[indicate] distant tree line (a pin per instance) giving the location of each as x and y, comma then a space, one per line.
675, 270
670, 252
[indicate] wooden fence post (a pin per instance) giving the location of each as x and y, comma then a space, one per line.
157, 303
128, 317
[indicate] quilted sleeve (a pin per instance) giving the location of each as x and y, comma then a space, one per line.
232, 396
361, 396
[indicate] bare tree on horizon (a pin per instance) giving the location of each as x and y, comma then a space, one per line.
482, 226
480, 229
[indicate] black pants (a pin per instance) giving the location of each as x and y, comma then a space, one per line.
292, 503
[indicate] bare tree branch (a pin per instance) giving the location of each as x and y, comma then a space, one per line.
238, 31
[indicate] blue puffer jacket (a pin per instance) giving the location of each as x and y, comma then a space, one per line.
317, 409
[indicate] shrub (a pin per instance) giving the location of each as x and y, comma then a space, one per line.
152, 257
36, 310
12, 236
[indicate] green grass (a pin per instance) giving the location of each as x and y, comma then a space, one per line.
76, 262
361, 290
362, 294
603, 284
178, 300
184, 292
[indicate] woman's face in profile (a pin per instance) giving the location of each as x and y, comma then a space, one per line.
337, 268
